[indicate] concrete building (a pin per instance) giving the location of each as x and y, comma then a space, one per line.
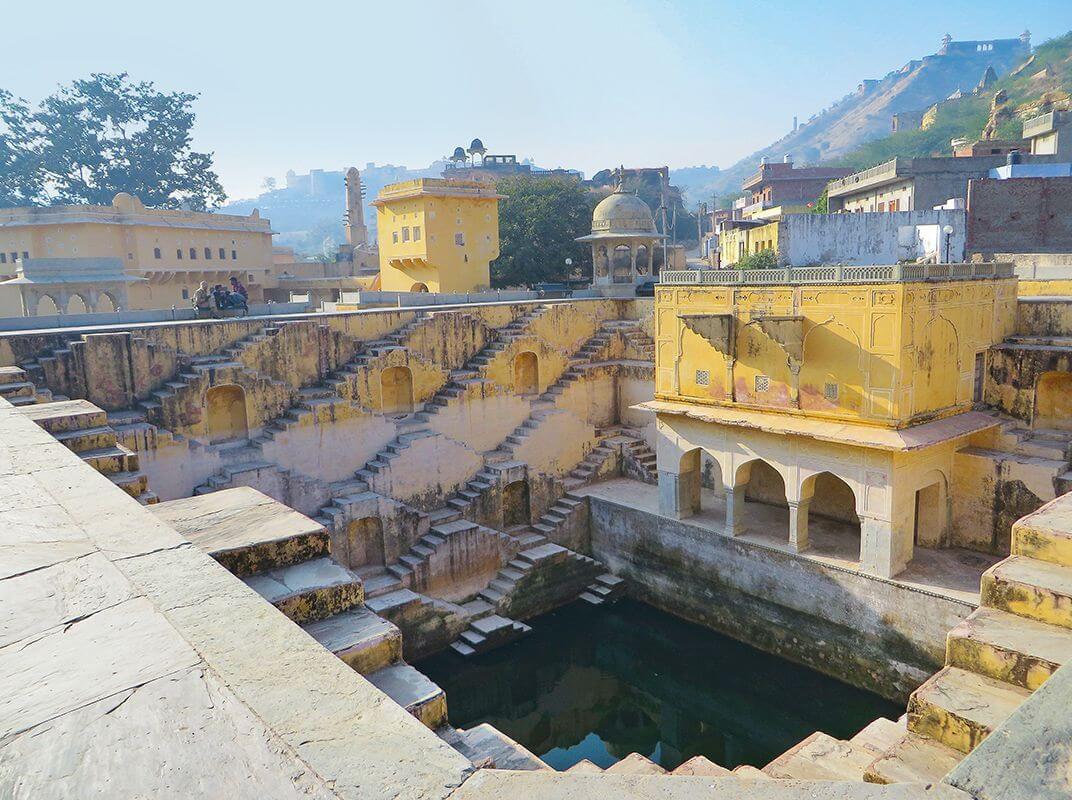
786, 186
1050, 134
909, 184
437, 235
801, 240
167, 253
623, 240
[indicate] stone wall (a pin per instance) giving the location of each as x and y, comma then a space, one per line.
1027, 215
867, 631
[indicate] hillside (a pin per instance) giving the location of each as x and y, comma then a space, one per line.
866, 114
1041, 83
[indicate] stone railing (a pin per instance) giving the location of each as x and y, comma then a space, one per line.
836, 273
884, 170
1042, 124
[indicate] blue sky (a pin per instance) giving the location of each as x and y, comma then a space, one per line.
578, 83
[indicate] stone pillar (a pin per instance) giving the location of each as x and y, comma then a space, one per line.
735, 510
651, 257
632, 262
798, 525
731, 392
679, 494
883, 550
794, 383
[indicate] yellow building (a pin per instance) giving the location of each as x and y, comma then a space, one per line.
734, 243
437, 235
74, 259
843, 391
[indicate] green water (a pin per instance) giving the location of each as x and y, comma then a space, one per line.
602, 682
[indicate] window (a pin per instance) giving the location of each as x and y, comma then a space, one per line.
178, 253
416, 233
193, 254
185, 294
208, 254
703, 377
156, 253
223, 254
830, 392
14, 256
459, 239
394, 237
405, 234
762, 383
234, 255
25, 254
3, 258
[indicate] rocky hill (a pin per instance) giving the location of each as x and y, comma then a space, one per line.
868, 112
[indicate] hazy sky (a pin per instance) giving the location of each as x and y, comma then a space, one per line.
578, 83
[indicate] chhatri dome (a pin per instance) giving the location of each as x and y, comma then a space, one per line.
623, 239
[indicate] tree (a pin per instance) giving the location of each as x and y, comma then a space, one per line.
268, 184
538, 222
97, 137
19, 177
764, 259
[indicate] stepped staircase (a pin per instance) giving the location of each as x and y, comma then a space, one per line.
285, 557
1009, 646
640, 461
84, 429
17, 388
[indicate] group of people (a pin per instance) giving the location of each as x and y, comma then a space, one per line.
237, 297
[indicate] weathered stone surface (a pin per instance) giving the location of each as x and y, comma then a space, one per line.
1009, 648
821, 757
414, 692
309, 591
362, 639
487, 742
913, 759
499, 784
245, 530
1029, 588
1030, 756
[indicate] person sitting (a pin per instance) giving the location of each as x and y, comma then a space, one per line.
202, 299
220, 295
238, 289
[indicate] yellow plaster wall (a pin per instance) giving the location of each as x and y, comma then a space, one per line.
1059, 288
893, 353
551, 363
557, 444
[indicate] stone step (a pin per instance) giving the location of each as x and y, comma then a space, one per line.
635, 764
111, 459
611, 581
393, 603
18, 389
448, 529
379, 585
700, 766
960, 708
1045, 535
543, 553
414, 692
748, 772
478, 608
84, 439
310, 591
10, 375
584, 767
913, 759
133, 483
1008, 648
590, 597
821, 757
1030, 588
359, 637
485, 743
880, 735
442, 515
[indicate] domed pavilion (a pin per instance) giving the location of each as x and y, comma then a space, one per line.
623, 240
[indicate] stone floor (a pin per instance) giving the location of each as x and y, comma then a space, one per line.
952, 572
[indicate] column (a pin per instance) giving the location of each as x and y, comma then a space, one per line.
798, 525
679, 494
651, 258
632, 262
731, 392
794, 383
735, 510
883, 549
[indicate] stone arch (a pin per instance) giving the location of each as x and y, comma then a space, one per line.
1053, 401
364, 543
419, 287
757, 500
526, 373
46, 306
396, 390
931, 512
105, 303
226, 415
621, 262
832, 343
938, 347
76, 304
515, 504
827, 496
643, 257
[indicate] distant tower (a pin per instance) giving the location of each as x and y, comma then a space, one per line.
795, 125
356, 232
944, 48
1025, 38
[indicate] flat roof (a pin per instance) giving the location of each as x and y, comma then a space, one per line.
916, 437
